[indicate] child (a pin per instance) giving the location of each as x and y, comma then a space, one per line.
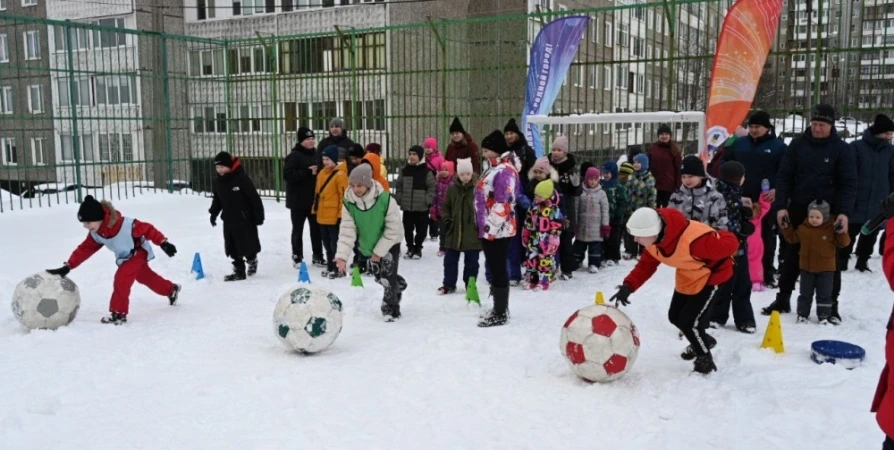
541, 236
736, 291
129, 240
445, 180
819, 243
592, 221
618, 210
756, 244
648, 195
371, 217
332, 182
243, 212
696, 199
460, 234
702, 259
414, 193
639, 198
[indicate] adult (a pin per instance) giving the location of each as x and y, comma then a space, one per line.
883, 402
569, 182
665, 161
462, 146
338, 136
817, 165
300, 173
761, 153
495, 218
517, 142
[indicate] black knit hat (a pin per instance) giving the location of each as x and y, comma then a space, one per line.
91, 210
223, 159
418, 150
356, 151
494, 142
823, 112
693, 165
761, 118
882, 124
304, 133
732, 172
513, 127
457, 126
664, 129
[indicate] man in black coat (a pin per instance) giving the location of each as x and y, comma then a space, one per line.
338, 136
817, 165
242, 211
300, 172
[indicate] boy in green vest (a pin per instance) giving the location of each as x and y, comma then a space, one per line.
371, 218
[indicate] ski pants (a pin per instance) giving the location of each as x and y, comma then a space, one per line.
385, 271
415, 221
566, 252
513, 260
495, 252
790, 267
611, 248
735, 292
593, 251
136, 269
451, 266
821, 283
686, 312
298, 216
888, 444
330, 242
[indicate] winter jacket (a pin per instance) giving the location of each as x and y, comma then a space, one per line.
702, 203
329, 198
618, 199
458, 215
553, 175
379, 172
875, 175
818, 169
300, 180
526, 156
495, 200
373, 222
715, 250
819, 245
467, 148
110, 227
434, 162
762, 159
883, 402
568, 187
415, 188
442, 184
641, 187
237, 202
665, 164
592, 214
738, 216
343, 142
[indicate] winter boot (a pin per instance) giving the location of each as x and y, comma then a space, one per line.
409, 254
781, 304
252, 267
390, 312
862, 265
770, 279
834, 317
238, 273
319, 261
444, 290
335, 274
296, 261
803, 319
173, 297
417, 253
689, 354
704, 364
747, 329
493, 319
115, 319
500, 314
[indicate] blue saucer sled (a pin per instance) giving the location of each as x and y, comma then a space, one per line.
841, 353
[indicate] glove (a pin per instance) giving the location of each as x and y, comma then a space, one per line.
169, 248
62, 271
213, 221
606, 230
620, 298
259, 222
888, 206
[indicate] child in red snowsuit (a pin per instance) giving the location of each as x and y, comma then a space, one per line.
883, 403
129, 239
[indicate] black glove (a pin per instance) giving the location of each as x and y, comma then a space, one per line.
213, 221
888, 206
259, 222
169, 248
62, 271
620, 298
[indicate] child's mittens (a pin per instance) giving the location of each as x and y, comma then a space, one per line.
62, 271
606, 230
168, 248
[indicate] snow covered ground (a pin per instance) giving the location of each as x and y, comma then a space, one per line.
211, 374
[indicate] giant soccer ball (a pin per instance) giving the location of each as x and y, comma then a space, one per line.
307, 319
600, 343
44, 301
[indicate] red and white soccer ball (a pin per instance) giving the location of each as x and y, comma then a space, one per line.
600, 343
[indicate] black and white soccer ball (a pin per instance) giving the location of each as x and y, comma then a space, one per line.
307, 319
44, 301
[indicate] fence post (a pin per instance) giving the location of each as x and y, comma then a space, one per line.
166, 87
671, 14
73, 104
819, 55
443, 46
228, 96
270, 56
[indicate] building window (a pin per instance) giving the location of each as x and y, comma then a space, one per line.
10, 158
205, 9
29, 3
4, 49
209, 119
6, 100
251, 7
253, 119
115, 90
609, 35
32, 45
374, 110
38, 151
637, 46
594, 81
294, 114
623, 34
79, 39
2, 5
640, 84
85, 150
247, 60
594, 30
206, 63
607, 78
35, 99
115, 147
621, 79
322, 113
82, 95
108, 38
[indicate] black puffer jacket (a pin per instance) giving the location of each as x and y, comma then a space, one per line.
237, 202
300, 180
568, 186
813, 169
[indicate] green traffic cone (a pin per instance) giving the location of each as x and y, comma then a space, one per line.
472, 292
356, 281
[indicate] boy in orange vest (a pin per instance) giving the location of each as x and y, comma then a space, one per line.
703, 259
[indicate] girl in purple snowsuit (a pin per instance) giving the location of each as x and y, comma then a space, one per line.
444, 179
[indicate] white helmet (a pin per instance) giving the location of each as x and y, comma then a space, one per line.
644, 222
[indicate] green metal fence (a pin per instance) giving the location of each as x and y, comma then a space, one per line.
95, 108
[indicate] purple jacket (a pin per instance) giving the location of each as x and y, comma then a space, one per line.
440, 195
495, 200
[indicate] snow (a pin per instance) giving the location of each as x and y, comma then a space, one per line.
211, 374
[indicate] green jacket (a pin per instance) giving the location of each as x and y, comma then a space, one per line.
618, 203
458, 214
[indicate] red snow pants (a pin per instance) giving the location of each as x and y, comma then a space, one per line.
136, 269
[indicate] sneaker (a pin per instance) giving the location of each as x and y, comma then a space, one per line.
444, 290
823, 320
757, 287
492, 319
173, 297
566, 276
704, 364
115, 319
803, 319
417, 254
593, 269
441, 253
747, 329
610, 263
252, 267
296, 261
689, 354
408, 254
319, 261
390, 312
515, 283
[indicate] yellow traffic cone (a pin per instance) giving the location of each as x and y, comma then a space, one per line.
773, 336
600, 299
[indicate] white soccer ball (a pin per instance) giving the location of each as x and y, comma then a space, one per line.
307, 319
600, 343
44, 301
